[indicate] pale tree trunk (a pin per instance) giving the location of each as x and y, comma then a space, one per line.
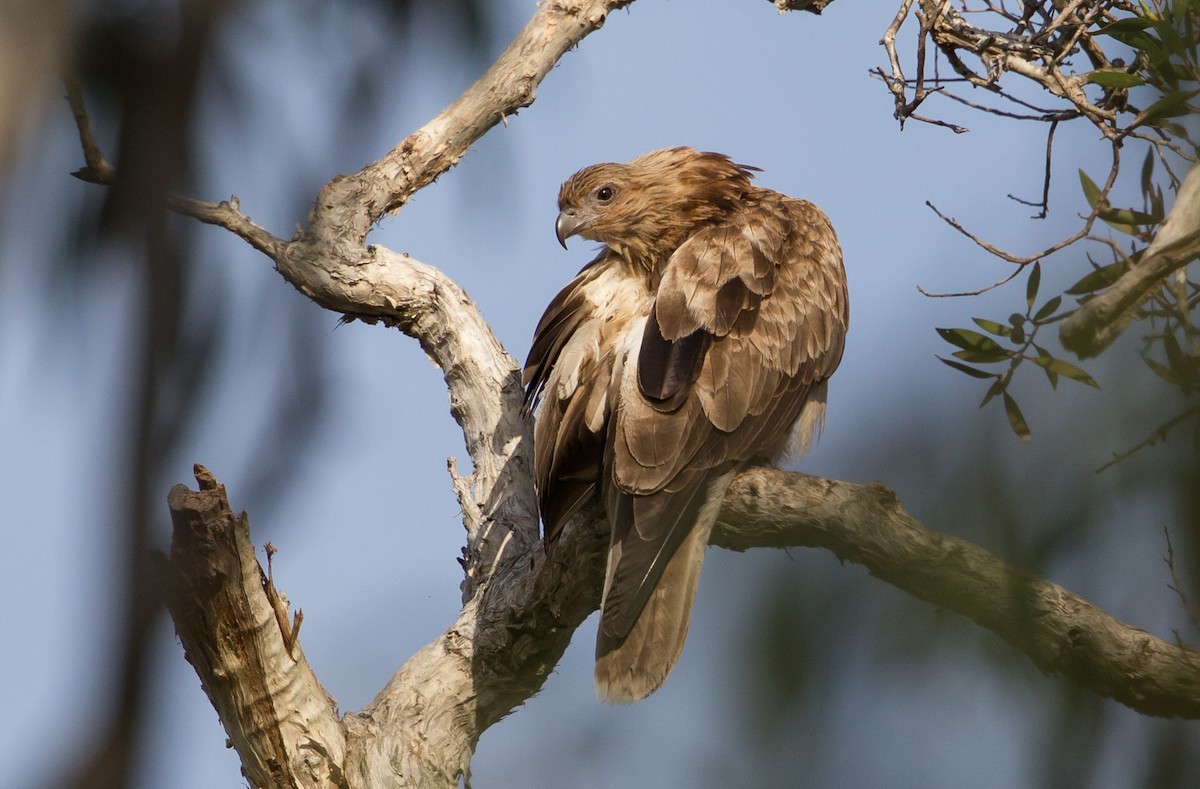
520, 608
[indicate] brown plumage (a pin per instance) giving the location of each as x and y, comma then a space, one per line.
697, 342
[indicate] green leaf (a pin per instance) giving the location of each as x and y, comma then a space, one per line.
1047, 309
1100, 278
1067, 370
1127, 25
1148, 171
1180, 72
987, 356
1035, 279
994, 390
1115, 79
998, 329
1131, 31
1016, 419
1162, 371
1141, 40
1051, 376
968, 339
1017, 321
1091, 192
1172, 105
1127, 216
1170, 38
1129, 230
974, 372
976, 347
1175, 130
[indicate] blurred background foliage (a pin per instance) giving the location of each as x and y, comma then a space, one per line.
133, 344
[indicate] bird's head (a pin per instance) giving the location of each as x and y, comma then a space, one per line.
646, 207
593, 203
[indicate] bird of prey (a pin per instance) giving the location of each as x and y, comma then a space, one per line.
697, 342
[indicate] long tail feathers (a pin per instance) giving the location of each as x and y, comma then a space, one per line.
633, 668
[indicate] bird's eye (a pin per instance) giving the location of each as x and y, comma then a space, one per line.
604, 194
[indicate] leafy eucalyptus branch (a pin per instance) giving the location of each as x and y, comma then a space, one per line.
1131, 71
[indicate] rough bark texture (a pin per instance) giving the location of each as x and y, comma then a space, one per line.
1058, 630
423, 726
277, 715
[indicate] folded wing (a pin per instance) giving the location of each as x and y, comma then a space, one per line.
748, 320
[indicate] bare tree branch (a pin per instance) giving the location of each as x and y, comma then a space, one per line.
422, 728
278, 717
1036, 51
1158, 434
348, 206
330, 263
1056, 629
98, 170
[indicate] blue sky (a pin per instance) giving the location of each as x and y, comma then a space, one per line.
368, 528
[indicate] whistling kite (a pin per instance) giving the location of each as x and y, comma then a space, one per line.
699, 341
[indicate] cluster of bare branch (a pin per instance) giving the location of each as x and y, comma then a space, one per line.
1041, 43
1042, 38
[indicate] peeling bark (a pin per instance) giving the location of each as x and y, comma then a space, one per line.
277, 715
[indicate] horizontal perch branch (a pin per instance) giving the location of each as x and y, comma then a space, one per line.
1058, 630
509, 637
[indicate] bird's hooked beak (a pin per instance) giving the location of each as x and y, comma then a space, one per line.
568, 224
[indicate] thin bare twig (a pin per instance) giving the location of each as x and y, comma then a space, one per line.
1044, 205
97, 169
226, 214
1046, 116
1004, 254
935, 122
1037, 50
1177, 587
978, 292
1158, 434
1022, 261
